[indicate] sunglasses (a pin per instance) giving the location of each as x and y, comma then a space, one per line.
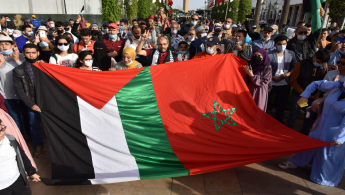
60, 44
342, 63
303, 32
3, 128
228, 21
193, 19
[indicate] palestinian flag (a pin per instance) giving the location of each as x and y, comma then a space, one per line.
314, 6
82, 11
171, 120
211, 4
168, 9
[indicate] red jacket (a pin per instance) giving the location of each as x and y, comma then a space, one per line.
117, 46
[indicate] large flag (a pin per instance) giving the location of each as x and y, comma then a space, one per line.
211, 4
220, 1
171, 120
313, 6
168, 8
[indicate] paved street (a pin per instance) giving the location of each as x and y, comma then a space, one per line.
264, 178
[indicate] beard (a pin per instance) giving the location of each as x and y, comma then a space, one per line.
162, 50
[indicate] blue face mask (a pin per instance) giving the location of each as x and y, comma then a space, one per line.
31, 34
122, 28
281, 47
43, 44
341, 51
194, 23
265, 39
8, 20
316, 64
174, 32
113, 36
6, 53
182, 52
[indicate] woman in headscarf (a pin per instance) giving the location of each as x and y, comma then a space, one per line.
128, 60
258, 77
100, 57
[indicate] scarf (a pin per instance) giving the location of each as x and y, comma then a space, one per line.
156, 56
258, 68
131, 52
100, 57
186, 57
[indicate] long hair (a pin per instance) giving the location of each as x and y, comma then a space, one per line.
81, 57
58, 51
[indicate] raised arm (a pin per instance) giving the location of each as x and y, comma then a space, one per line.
139, 49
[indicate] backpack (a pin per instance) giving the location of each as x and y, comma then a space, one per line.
262, 76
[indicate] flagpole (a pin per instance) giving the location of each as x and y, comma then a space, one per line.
227, 7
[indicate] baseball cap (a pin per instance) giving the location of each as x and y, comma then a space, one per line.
217, 28
42, 28
106, 24
143, 22
254, 26
33, 16
212, 41
268, 28
262, 25
113, 25
275, 27
234, 25
199, 29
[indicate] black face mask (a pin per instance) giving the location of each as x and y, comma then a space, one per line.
59, 31
94, 32
66, 29
31, 60
256, 59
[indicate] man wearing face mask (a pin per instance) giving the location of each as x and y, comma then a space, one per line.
283, 62
123, 29
59, 28
333, 62
239, 47
227, 28
212, 45
45, 46
24, 84
68, 28
191, 36
105, 29
95, 33
174, 38
303, 45
198, 45
28, 36
265, 42
114, 43
305, 72
193, 24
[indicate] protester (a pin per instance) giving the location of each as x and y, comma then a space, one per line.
258, 77
193, 24
283, 62
35, 21
71, 21
86, 44
174, 38
123, 29
101, 59
162, 17
252, 34
95, 33
83, 23
337, 75
68, 29
24, 84
63, 53
128, 60
28, 36
305, 72
191, 36
227, 28
265, 42
327, 162
85, 61
183, 53
135, 39
212, 45
9, 24
308, 28
300, 23
45, 46
198, 45
239, 48
13, 171
114, 43
334, 45
9, 59
156, 56
50, 24
322, 43
332, 63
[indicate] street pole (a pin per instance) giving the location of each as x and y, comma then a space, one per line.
227, 7
257, 13
285, 13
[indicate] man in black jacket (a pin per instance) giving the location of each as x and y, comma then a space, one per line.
8, 23
253, 35
23, 79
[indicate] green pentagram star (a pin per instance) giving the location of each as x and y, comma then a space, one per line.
228, 116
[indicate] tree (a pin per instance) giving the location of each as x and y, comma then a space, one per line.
285, 13
144, 8
245, 7
131, 10
234, 6
337, 11
110, 11
257, 12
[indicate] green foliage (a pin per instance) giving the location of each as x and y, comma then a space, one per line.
110, 11
245, 7
336, 9
234, 14
231, 14
131, 10
144, 8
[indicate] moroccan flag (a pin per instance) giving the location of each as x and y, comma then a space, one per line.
313, 6
82, 11
171, 120
220, 1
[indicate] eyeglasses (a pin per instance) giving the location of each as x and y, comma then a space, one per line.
342, 63
228, 22
60, 44
303, 32
195, 19
3, 129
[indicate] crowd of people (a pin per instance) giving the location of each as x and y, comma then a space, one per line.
302, 63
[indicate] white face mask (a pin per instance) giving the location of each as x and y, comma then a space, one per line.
52, 25
210, 50
190, 38
129, 62
88, 63
227, 26
240, 43
63, 48
203, 34
301, 37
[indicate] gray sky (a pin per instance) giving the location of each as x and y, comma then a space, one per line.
193, 4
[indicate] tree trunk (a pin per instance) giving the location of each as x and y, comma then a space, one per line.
257, 13
285, 13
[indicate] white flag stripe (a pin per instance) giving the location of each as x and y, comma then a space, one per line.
110, 154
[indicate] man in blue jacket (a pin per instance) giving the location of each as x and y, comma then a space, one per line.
28, 36
35, 21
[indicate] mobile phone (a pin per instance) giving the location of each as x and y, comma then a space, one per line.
249, 16
339, 39
43, 33
111, 50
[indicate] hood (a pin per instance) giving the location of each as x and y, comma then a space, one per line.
19, 17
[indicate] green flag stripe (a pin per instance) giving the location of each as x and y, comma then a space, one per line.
144, 129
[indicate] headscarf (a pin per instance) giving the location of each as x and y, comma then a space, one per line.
100, 57
258, 68
131, 52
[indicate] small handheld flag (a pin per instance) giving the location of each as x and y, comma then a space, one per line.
82, 11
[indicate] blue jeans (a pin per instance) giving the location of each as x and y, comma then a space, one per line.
13, 107
294, 112
35, 130
280, 101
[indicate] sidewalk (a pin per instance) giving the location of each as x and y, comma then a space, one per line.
264, 178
